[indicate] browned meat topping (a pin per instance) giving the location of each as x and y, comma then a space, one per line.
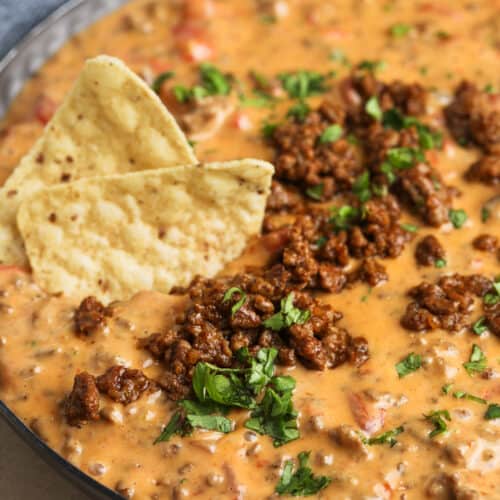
446, 304
429, 251
485, 170
213, 329
474, 117
492, 318
410, 99
123, 385
486, 243
283, 199
370, 271
305, 160
82, 404
90, 316
422, 190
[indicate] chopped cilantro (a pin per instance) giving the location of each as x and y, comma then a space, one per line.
470, 397
411, 228
477, 361
268, 129
492, 298
446, 388
303, 84
239, 303
479, 327
161, 79
408, 365
343, 217
315, 192
352, 139
400, 30
299, 111
258, 101
457, 217
331, 134
275, 415
440, 263
212, 82
485, 214
321, 241
489, 89
287, 316
302, 481
361, 187
438, 419
443, 35
372, 66
493, 412
372, 107
388, 437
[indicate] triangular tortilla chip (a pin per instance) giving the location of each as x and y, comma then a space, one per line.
111, 122
114, 236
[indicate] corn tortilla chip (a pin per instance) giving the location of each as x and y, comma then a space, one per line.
114, 236
111, 122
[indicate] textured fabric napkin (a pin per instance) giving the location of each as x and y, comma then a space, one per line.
17, 17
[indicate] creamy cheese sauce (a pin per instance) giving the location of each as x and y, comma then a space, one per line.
40, 354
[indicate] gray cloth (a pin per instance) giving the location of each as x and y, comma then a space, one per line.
17, 17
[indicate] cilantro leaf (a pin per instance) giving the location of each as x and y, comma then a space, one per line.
408, 365
388, 437
470, 397
239, 303
493, 412
480, 326
210, 422
299, 111
303, 84
268, 129
438, 419
174, 426
343, 217
160, 80
400, 30
485, 214
477, 362
372, 107
331, 134
212, 82
440, 263
492, 298
287, 316
457, 217
411, 228
302, 481
371, 66
361, 187
315, 192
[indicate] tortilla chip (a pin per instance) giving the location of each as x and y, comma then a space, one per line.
114, 236
110, 123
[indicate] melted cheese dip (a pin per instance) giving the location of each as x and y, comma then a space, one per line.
40, 354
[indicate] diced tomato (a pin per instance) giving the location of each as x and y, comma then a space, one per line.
45, 108
367, 415
197, 10
242, 121
159, 65
196, 50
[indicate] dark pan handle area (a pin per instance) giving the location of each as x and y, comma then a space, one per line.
17, 67
44, 41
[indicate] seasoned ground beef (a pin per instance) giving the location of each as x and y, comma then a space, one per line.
429, 251
474, 117
283, 199
82, 404
370, 271
485, 170
90, 316
446, 304
304, 160
422, 190
211, 331
123, 385
486, 243
409, 99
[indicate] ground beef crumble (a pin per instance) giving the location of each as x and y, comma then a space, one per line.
429, 250
486, 243
446, 304
82, 404
90, 316
485, 170
123, 385
209, 332
303, 160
